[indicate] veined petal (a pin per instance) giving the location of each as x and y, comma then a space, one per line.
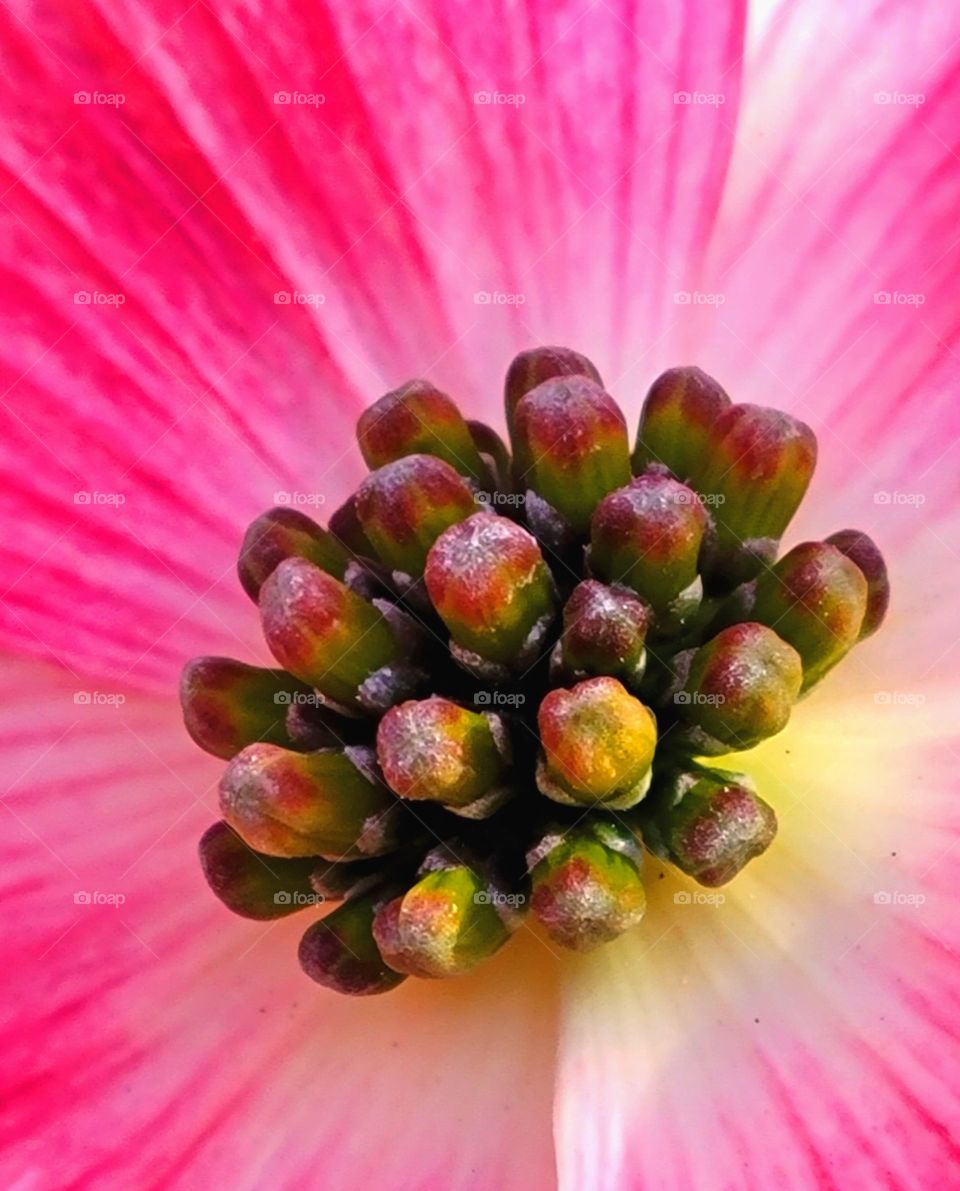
161, 1040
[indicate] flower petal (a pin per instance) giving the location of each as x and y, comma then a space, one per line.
163, 1041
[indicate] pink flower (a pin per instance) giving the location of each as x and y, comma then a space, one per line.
227, 229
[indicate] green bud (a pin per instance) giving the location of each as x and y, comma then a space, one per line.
587, 887
598, 744
250, 883
405, 506
677, 422
437, 751
340, 952
862, 550
604, 632
492, 589
536, 365
286, 533
327, 803
708, 822
816, 598
417, 419
228, 705
446, 924
571, 447
740, 688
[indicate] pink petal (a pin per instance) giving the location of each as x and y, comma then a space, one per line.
163, 1042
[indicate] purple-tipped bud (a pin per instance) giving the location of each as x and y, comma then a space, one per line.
404, 506
604, 632
340, 952
740, 688
816, 598
447, 923
437, 751
861, 549
571, 447
708, 822
587, 887
647, 536
323, 632
286, 533
346, 528
250, 883
598, 744
538, 364
228, 705
491, 587
757, 471
677, 422
417, 419
326, 803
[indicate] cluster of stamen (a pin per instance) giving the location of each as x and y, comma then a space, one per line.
504, 672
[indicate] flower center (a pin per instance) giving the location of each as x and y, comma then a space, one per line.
504, 672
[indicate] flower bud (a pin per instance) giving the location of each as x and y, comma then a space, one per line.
587, 887
404, 506
309, 804
446, 924
862, 550
758, 469
740, 688
437, 751
604, 632
491, 445
491, 587
708, 822
249, 883
538, 364
417, 419
598, 744
677, 422
816, 597
228, 705
340, 952
346, 528
571, 447
286, 533
323, 632
647, 536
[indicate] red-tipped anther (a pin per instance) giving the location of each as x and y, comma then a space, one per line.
404, 506
604, 632
491, 587
418, 419
250, 883
286, 533
538, 364
861, 549
570, 441
340, 953
647, 536
677, 422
